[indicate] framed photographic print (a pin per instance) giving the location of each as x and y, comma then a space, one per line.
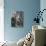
17, 20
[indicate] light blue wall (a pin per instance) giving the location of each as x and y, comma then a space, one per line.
43, 6
29, 7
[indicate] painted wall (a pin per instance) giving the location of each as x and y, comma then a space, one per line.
29, 7
1, 21
43, 6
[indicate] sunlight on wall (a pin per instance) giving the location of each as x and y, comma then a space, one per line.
1, 25
1, 21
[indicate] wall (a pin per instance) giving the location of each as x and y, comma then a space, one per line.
1, 21
29, 7
43, 6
